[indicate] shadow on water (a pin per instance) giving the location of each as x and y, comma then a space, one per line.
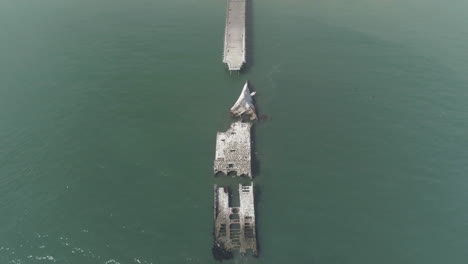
255, 163
249, 42
256, 166
257, 200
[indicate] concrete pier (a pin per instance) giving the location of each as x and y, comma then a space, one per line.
234, 35
235, 226
233, 150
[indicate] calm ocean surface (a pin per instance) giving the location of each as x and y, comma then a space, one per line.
109, 112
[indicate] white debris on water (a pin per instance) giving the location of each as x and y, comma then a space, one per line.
46, 258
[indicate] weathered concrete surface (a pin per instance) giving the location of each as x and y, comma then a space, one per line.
244, 104
235, 226
233, 150
234, 35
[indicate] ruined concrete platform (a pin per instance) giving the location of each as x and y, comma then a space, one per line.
244, 104
234, 35
235, 226
233, 150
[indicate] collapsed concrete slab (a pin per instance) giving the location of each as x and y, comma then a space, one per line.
233, 150
244, 104
234, 226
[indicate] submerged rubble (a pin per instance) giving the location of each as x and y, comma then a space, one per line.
233, 150
235, 226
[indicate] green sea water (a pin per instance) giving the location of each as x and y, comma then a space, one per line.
109, 112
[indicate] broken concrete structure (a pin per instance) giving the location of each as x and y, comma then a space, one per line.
244, 104
233, 152
235, 226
